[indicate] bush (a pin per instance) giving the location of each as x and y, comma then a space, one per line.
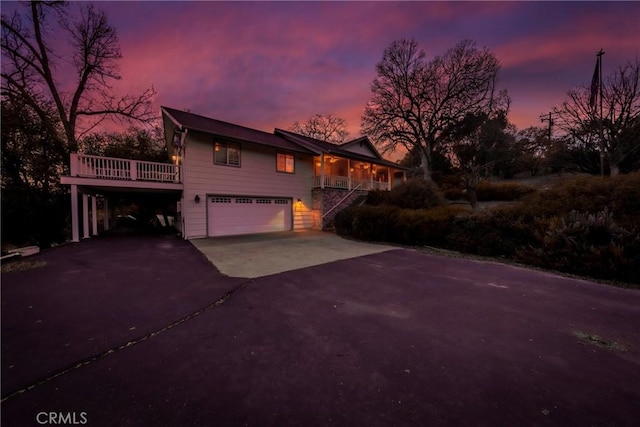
426, 227
585, 243
586, 226
491, 233
413, 194
508, 191
391, 224
373, 223
620, 194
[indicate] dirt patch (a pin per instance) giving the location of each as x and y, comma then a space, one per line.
599, 341
12, 266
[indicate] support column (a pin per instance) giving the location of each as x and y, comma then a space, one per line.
349, 173
322, 170
389, 178
94, 215
85, 216
105, 206
75, 223
371, 176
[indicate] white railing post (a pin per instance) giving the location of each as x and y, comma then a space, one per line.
133, 170
73, 164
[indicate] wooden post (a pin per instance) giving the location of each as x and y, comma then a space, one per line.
85, 216
322, 170
105, 207
75, 226
94, 215
370, 176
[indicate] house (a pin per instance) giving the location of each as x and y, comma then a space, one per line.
228, 179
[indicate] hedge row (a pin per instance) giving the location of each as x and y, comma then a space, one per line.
586, 226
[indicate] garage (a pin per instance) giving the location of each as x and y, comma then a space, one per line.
231, 215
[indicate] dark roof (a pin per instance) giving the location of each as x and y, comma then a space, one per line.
327, 147
231, 131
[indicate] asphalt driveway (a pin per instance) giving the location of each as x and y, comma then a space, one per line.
393, 338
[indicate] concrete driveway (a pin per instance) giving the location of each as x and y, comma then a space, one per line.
258, 255
144, 331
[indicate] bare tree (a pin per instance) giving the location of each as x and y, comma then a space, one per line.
613, 132
32, 70
327, 128
414, 101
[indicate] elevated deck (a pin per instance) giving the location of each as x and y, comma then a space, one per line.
111, 173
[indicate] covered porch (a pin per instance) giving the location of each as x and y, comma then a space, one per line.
331, 171
95, 178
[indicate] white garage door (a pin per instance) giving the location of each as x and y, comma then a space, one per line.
244, 215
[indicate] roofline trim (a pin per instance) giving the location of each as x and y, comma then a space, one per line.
173, 119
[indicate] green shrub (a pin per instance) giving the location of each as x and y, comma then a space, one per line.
377, 197
426, 227
586, 225
373, 223
391, 224
504, 191
620, 194
413, 194
588, 244
490, 233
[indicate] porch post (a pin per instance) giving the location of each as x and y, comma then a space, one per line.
349, 172
105, 206
370, 176
94, 215
85, 216
322, 170
75, 226
389, 181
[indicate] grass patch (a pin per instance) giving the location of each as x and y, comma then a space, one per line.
598, 341
9, 267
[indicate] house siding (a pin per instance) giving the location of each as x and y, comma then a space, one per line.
256, 176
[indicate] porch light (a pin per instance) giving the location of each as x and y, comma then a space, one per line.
197, 198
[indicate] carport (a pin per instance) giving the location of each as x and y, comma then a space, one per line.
105, 179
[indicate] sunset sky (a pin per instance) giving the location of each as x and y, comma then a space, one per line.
268, 64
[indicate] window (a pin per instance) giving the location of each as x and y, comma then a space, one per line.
226, 154
285, 163
220, 200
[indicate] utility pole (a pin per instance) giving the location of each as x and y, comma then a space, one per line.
548, 118
599, 55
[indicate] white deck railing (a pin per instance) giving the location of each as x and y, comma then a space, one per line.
123, 169
346, 183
